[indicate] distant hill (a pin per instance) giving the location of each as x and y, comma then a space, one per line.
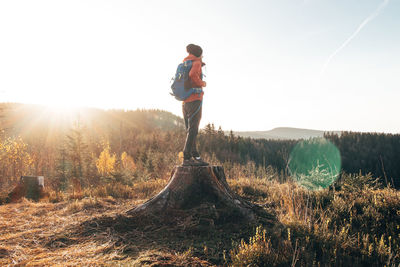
283, 133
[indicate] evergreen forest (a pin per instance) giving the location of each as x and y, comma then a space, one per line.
96, 146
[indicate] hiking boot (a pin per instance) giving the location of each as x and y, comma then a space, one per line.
200, 161
191, 162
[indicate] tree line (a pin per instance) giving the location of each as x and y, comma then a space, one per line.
96, 146
375, 153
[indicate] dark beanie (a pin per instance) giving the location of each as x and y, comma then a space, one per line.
195, 50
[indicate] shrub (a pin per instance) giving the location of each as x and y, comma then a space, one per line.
260, 252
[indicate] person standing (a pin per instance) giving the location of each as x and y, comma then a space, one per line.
192, 107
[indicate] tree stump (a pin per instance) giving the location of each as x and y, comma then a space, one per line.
31, 187
200, 190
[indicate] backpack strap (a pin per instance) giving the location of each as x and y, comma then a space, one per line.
197, 90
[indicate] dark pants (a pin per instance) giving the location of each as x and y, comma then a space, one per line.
192, 116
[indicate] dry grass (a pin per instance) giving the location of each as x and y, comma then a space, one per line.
26, 229
140, 190
356, 223
91, 232
159, 258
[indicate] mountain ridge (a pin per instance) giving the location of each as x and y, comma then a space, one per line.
284, 133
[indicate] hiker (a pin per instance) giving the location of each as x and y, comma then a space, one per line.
192, 106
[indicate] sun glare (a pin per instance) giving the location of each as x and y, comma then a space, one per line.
58, 111
61, 108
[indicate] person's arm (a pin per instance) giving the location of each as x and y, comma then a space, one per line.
195, 75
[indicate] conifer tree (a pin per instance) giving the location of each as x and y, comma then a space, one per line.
77, 149
62, 167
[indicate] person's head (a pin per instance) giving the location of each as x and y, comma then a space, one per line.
195, 50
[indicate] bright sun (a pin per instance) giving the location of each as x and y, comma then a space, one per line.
61, 108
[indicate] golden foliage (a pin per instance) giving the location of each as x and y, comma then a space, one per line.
127, 162
106, 162
14, 157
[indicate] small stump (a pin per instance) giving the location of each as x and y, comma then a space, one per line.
200, 192
31, 187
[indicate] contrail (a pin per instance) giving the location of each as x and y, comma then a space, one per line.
362, 25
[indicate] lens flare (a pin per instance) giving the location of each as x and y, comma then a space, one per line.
315, 163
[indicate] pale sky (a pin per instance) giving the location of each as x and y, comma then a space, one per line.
317, 64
